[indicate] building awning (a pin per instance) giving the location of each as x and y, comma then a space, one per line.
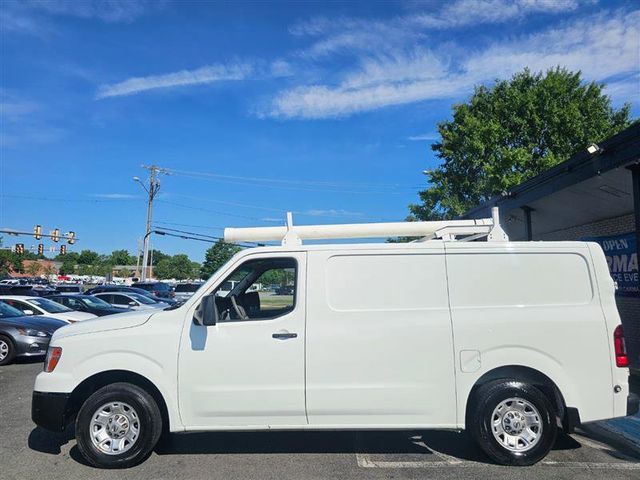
584, 189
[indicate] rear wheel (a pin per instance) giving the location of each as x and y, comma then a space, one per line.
118, 426
7, 350
513, 422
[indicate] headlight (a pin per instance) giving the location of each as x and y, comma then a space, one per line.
30, 332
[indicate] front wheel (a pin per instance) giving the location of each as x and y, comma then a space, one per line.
513, 422
7, 350
118, 426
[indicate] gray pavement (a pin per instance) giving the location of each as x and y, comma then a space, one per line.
27, 452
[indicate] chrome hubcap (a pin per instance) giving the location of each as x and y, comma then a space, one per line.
4, 349
115, 428
516, 425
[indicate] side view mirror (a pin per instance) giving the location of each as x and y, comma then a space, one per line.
132, 304
206, 312
28, 312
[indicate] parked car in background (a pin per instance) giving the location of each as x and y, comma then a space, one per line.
124, 288
184, 291
69, 288
87, 303
24, 336
133, 301
285, 290
159, 289
17, 289
44, 306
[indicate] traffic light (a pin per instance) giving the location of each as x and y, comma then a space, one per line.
40, 249
71, 238
19, 248
37, 232
55, 235
63, 249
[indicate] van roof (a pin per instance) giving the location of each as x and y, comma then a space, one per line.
413, 246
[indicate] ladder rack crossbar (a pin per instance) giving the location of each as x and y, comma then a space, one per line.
294, 234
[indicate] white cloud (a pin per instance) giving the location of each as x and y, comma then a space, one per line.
12, 110
345, 35
200, 76
281, 68
425, 137
601, 46
106, 10
474, 12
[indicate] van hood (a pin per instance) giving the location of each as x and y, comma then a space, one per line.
103, 324
72, 316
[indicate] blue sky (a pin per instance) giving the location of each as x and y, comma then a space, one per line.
326, 109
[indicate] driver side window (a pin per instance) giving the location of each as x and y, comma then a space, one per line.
258, 290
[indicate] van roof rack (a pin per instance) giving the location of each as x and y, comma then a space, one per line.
463, 230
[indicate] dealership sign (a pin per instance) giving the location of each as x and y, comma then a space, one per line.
622, 257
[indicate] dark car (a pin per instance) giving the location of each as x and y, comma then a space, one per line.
159, 289
22, 336
285, 290
69, 288
124, 288
23, 290
87, 303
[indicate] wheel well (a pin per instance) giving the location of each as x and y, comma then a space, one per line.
526, 375
102, 379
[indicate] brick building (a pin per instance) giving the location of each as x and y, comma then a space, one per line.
595, 196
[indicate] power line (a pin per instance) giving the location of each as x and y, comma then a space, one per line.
282, 211
217, 212
289, 182
207, 227
190, 233
190, 237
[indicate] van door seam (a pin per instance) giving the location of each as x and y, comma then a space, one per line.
453, 340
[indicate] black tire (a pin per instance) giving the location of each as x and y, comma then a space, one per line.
149, 425
11, 354
479, 421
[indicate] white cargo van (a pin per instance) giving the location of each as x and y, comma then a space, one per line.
503, 339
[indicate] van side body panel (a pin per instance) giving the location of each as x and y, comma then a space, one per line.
535, 305
379, 348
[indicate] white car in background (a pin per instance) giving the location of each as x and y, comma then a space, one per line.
133, 301
44, 306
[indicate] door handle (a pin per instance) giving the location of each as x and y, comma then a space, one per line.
284, 336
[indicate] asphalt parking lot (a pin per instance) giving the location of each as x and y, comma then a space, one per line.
28, 452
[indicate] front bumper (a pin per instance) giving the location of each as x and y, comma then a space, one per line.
50, 410
32, 346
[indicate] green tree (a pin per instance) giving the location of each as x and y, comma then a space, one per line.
124, 273
511, 132
9, 262
217, 255
156, 256
71, 256
68, 266
121, 257
178, 267
88, 257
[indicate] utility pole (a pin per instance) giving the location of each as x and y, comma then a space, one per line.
152, 191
